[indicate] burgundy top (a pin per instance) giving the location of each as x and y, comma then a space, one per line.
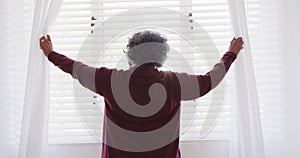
130, 133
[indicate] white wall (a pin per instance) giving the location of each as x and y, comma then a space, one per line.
289, 145
75, 151
291, 62
189, 149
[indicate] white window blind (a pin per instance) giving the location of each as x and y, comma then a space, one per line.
77, 24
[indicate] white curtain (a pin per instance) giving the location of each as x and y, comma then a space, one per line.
24, 97
246, 136
34, 132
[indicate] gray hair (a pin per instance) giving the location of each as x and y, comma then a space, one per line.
147, 47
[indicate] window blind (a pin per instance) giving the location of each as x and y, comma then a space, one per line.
77, 35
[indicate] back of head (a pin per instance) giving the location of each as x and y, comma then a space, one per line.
147, 47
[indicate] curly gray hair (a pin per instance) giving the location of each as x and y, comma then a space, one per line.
147, 47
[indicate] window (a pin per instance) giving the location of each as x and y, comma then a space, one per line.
86, 26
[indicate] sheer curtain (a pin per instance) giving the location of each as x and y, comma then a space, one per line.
24, 96
34, 132
247, 136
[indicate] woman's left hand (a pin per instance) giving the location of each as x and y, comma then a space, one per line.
46, 45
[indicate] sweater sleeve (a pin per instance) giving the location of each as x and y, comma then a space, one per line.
61, 61
95, 79
195, 86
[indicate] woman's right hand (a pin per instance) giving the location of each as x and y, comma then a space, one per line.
236, 45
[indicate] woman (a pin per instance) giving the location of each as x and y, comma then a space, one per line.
142, 103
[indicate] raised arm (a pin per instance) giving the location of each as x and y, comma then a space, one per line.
86, 75
211, 79
217, 73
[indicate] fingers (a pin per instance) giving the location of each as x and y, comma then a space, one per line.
240, 41
42, 39
45, 41
240, 38
232, 40
46, 45
49, 38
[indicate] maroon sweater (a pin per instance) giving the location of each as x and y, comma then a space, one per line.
133, 134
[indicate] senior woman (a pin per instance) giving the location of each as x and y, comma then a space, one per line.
131, 113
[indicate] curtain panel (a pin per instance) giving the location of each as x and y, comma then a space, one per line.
34, 132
